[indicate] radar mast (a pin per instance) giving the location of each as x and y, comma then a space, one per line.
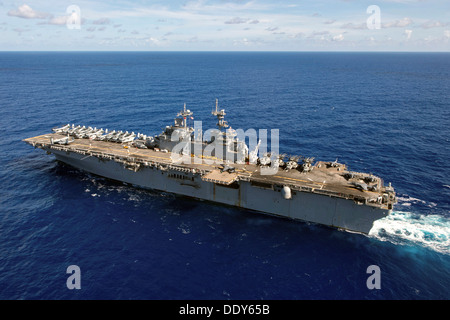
221, 123
185, 113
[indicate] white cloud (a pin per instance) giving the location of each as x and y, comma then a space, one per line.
252, 24
20, 30
433, 24
152, 40
398, 23
101, 21
25, 11
318, 33
236, 20
225, 6
245, 42
360, 26
338, 37
272, 29
63, 20
59, 21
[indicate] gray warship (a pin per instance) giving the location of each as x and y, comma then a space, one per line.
223, 170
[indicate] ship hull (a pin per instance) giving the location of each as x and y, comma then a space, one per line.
304, 206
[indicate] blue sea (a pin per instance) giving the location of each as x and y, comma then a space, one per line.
383, 113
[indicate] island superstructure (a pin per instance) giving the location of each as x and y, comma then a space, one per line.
223, 170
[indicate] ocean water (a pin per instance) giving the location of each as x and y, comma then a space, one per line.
384, 113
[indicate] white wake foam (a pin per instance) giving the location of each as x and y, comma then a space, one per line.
431, 231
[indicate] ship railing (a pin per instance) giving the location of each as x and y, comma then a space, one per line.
133, 161
127, 159
343, 195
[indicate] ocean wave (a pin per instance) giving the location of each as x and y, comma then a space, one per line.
407, 201
403, 228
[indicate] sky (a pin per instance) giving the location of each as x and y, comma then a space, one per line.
225, 25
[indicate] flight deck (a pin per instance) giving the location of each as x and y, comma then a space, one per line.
326, 178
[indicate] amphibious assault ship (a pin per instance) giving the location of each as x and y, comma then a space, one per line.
223, 170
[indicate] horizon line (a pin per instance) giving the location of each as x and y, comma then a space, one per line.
231, 51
